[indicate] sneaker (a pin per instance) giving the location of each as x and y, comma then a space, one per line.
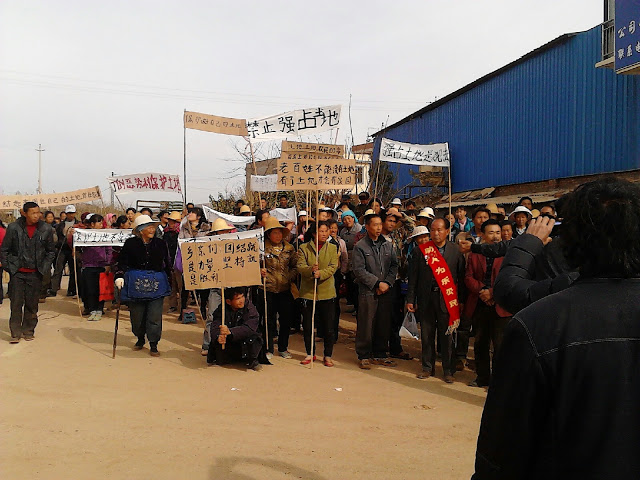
365, 364
28, 338
92, 317
139, 344
14, 340
385, 362
269, 355
98, 316
153, 351
285, 354
255, 366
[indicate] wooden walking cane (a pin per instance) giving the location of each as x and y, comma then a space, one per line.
115, 333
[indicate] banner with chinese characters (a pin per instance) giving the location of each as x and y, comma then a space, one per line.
311, 171
257, 233
627, 35
221, 263
264, 183
285, 214
215, 124
212, 215
435, 155
103, 237
145, 182
48, 200
308, 121
321, 148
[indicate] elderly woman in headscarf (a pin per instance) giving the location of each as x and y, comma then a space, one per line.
142, 275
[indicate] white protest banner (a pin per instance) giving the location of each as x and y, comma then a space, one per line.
307, 121
145, 182
285, 214
104, 237
48, 200
435, 155
212, 215
264, 183
215, 124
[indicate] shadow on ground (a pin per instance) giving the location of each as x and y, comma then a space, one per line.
229, 469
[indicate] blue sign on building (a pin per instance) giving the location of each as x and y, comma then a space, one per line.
627, 20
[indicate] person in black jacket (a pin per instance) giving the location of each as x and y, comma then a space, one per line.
239, 334
26, 253
145, 251
563, 399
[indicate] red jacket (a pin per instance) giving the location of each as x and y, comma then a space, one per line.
474, 280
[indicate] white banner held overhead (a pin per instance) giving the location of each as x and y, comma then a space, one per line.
212, 215
285, 214
307, 121
435, 155
100, 237
264, 183
146, 182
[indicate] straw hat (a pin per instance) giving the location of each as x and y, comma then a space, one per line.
418, 231
220, 224
142, 221
302, 213
369, 212
493, 208
520, 209
427, 212
535, 213
175, 216
245, 209
272, 223
396, 201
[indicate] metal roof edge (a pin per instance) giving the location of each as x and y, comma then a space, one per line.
432, 106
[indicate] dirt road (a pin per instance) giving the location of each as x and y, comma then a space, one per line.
70, 411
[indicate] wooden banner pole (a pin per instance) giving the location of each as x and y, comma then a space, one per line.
224, 307
315, 285
184, 165
75, 276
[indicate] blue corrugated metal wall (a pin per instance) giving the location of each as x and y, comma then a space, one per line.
553, 115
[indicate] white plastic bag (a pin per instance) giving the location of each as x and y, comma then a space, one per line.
409, 327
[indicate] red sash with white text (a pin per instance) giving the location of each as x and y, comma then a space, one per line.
443, 277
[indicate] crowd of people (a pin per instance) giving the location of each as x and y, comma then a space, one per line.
549, 295
367, 253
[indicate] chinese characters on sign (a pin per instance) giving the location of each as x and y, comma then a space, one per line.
627, 34
436, 155
212, 123
308, 121
311, 171
140, 182
321, 148
221, 263
101, 237
264, 183
47, 200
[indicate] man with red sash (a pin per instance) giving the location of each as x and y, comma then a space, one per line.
435, 294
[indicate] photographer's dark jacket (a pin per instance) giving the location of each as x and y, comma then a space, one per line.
564, 395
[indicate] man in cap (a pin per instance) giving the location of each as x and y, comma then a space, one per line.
64, 254
427, 283
26, 253
363, 206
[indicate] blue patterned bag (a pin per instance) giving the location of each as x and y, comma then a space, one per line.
141, 285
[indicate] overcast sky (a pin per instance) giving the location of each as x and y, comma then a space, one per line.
103, 85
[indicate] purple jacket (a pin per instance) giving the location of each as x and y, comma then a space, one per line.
97, 256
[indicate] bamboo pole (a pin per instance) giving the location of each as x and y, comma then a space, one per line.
224, 307
75, 276
315, 285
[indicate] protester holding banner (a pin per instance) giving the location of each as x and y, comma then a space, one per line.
26, 253
170, 237
95, 260
436, 270
195, 226
317, 268
142, 275
280, 270
65, 254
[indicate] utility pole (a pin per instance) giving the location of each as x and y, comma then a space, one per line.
112, 190
39, 150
